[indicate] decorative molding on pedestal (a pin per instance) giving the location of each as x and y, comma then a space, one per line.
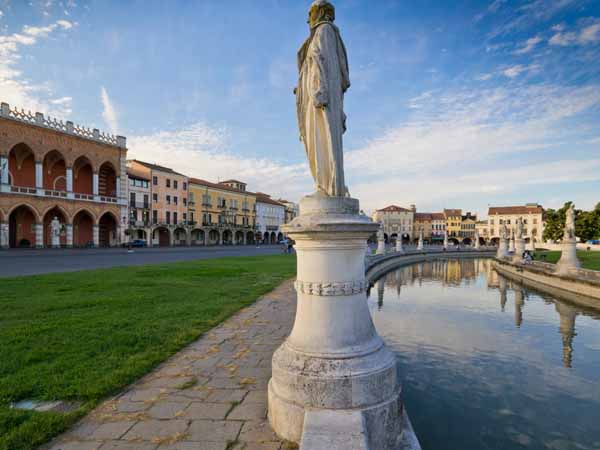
330, 289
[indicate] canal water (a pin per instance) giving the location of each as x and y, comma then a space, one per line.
487, 363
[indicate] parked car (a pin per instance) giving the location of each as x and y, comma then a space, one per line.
136, 243
593, 242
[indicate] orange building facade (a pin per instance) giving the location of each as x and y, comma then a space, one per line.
51, 169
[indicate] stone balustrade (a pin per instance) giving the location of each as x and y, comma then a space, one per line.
67, 127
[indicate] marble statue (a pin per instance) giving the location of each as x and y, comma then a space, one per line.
380, 241
445, 240
569, 232
55, 232
520, 228
568, 258
323, 80
4, 236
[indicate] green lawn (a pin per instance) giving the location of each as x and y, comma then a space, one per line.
84, 336
589, 260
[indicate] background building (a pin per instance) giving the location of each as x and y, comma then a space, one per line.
438, 227
270, 215
467, 228
169, 191
53, 169
423, 221
453, 224
139, 195
221, 213
397, 221
292, 210
531, 213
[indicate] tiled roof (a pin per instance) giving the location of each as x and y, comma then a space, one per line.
453, 212
393, 208
158, 168
438, 216
135, 173
422, 217
537, 209
232, 181
200, 182
263, 198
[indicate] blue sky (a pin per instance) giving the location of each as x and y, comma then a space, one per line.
452, 104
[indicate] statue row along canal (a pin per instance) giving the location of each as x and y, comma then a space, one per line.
487, 363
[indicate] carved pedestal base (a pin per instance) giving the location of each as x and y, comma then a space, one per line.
334, 366
568, 259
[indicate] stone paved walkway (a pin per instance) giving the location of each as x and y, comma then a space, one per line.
210, 396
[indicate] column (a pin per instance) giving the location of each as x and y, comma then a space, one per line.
69, 229
96, 234
245, 239
3, 170
334, 368
118, 187
4, 235
39, 177
69, 182
39, 235
95, 186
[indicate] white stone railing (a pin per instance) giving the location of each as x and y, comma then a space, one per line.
67, 127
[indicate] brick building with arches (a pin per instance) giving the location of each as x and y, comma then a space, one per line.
50, 168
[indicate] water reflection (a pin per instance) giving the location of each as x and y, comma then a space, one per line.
516, 373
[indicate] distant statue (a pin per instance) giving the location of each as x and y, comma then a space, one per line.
569, 232
520, 228
4, 236
55, 232
505, 233
380, 233
323, 80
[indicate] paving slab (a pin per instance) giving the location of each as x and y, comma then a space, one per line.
212, 395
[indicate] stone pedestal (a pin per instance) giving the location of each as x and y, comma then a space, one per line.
502, 249
399, 248
380, 247
4, 235
568, 259
519, 249
334, 366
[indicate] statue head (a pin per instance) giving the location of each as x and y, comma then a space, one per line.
320, 11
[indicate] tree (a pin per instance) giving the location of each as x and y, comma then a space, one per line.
555, 223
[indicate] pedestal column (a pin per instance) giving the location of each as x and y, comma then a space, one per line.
333, 366
502, 248
399, 248
39, 235
519, 249
568, 259
96, 235
4, 235
69, 237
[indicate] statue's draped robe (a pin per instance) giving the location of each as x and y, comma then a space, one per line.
323, 67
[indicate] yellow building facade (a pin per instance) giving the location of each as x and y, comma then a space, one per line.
221, 213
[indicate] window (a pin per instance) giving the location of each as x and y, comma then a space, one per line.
145, 200
175, 200
191, 197
185, 202
534, 221
168, 213
174, 184
155, 181
132, 199
192, 217
155, 198
155, 217
168, 181
184, 215
175, 218
491, 221
132, 215
168, 199
184, 186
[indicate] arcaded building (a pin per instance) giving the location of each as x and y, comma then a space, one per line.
50, 168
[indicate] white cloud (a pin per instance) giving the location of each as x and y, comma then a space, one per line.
518, 69
528, 45
477, 131
588, 34
109, 113
200, 151
15, 89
